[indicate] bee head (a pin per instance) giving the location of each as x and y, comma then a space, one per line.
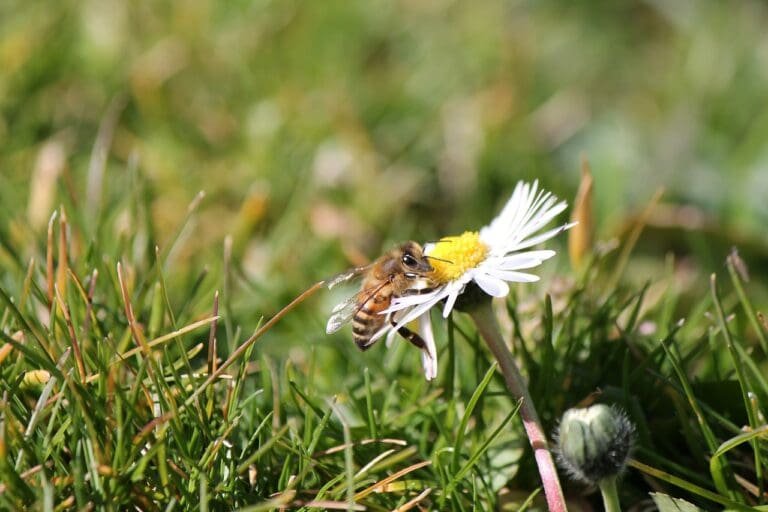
413, 260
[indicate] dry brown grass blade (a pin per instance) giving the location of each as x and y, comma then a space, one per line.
333, 505
241, 349
4, 351
581, 236
89, 303
415, 501
164, 338
212, 336
341, 447
136, 333
25, 475
247, 343
25, 292
212, 355
7, 348
381, 484
138, 336
763, 321
63, 263
132, 352
72, 336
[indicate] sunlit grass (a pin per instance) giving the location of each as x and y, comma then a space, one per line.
172, 178
115, 394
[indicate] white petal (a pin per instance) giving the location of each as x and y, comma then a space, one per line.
399, 303
517, 206
539, 238
491, 285
429, 354
522, 260
517, 235
527, 211
540, 213
449, 302
429, 365
390, 338
512, 276
517, 213
419, 310
454, 290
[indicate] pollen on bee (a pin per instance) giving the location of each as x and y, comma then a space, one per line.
453, 255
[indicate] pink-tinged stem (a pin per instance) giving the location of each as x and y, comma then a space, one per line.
489, 329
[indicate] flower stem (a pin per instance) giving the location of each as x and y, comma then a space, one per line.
610, 494
485, 320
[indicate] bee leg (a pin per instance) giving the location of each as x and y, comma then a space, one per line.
411, 336
364, 344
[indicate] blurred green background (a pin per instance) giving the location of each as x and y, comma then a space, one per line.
323, 132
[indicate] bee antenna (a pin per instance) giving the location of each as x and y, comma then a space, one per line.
441, 241
438, 259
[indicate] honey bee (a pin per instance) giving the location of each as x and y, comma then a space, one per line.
402, 271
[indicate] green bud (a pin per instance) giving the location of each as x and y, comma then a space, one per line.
594, 443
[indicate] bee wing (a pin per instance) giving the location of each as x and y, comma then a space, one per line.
346, 276
342, 313
345, 311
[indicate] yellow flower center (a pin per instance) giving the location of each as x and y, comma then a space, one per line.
454, 255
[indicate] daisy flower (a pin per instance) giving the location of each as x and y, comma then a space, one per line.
490, 258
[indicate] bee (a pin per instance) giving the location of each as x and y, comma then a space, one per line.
402, 271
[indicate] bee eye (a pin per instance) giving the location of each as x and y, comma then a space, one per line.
409, 261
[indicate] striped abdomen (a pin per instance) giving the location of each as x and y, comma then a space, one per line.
368, 320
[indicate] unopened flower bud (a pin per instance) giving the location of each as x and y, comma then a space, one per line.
594, 443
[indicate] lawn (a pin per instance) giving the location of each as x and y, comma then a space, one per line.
177, 181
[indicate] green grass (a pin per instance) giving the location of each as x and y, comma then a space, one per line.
129, 416
320, 134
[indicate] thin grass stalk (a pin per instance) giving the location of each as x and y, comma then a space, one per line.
73, 337
63, 263
212, 335
226, 292
247, 343
369, 404
744, 384
485, 320
138, 338
688, 486
733, 263
212, 353
89, 303
132, 324
610, 494
49, 260
166, 254
26, 287
169, 309
720, 469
